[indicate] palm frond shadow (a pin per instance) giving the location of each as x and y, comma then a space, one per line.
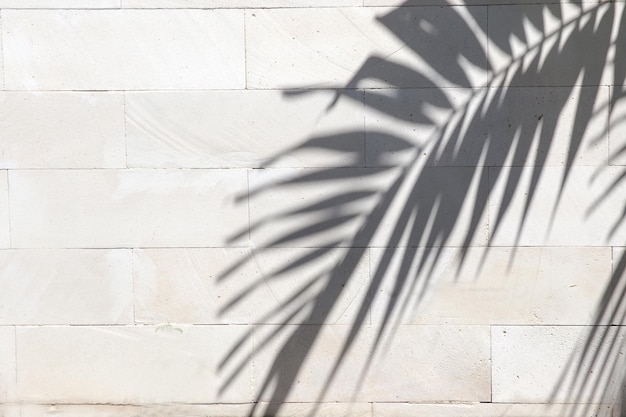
412, 196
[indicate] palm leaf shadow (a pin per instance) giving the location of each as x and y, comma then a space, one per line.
441, 192
598, 371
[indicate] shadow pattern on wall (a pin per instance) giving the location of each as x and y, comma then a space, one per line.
422, 203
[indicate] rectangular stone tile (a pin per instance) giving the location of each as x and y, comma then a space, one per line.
243, 128
518, 117
414, 363
125, 208
5, 226
507, 286
129, 365
174, 49
59, 4
335, 207
499, 129
589, 212
230, 286
401, 125
491, 410
66, 287
7, 364
221, 4
311, 207
559, 45
62, 130
334, 47
537, 364
435, 206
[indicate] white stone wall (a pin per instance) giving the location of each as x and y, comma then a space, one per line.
312, 207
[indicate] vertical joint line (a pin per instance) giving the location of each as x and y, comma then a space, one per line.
9, 211
364, 129
125, 131
489, 236
14, 393
369, 296
490, 363
132, 278
245, 50
252, 358
612, 260
608, 125
2, 49
248, 203
489, 68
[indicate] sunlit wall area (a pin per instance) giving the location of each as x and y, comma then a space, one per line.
371, 208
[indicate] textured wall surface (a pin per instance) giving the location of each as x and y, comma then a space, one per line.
312, 208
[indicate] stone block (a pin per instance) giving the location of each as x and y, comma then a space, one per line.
327, 47
125, 208
557, 45
528, 285
589, 210
123, 49
66, 286
129, 365
362, 207
411, 363
240, 286
243, 128
62, 130
557, 364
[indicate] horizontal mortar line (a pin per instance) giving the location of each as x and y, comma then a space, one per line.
545, 246
263, 8
209, 8
486, 246
179, 90
383, 6
174, 403
527, 3
298, 168
169, 404
146, 325
160, 169
252, 324
501, 247
125, 247
309, 247
259, 326
303, 90
556, 325
461, 402
26, 8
